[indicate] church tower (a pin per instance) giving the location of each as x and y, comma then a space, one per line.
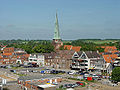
57, 42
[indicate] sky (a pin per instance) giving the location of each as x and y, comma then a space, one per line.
78, 19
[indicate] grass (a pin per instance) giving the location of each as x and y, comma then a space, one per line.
20, 74
100, 41
60, 89
16, 68
91, 81
76, 79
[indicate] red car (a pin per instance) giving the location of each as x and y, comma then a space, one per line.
79, 83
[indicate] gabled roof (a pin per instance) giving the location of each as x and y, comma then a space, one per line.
76, 48
92, 54
70, 47
110, 58
111, 49
65, 53
80, 53
7, 54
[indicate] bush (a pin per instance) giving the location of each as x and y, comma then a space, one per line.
116, 74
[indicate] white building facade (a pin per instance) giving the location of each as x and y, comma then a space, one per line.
37, 58
87, 61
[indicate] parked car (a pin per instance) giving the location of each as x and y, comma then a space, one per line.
85, 76
55, 83
70, 86
71, 73
54, 72
75, 85
79, 83
113, 84
35, 71
14, 71
42, 72
82, 73
3, 66
47, 71
95, 76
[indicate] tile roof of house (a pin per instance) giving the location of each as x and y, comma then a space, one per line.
7, 54
111, 49
70, 47
110, 58
76, 48
12, 48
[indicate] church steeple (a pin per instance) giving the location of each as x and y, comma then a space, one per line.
56, 31
57, 43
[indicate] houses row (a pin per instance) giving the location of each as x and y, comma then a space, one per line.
92, 61
83, 60
12, 55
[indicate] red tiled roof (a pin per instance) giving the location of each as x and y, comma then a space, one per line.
111, 49
26, 55
7, 54
8, 50
110, 58
76, 48
68, 47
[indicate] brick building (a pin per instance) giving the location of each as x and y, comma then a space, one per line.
60, 59
12, 55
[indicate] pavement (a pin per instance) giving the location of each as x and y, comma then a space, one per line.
6, 74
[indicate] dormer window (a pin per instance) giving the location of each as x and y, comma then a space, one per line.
83, 56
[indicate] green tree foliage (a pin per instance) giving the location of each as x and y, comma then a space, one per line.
116, 74
62, 47
35, 47
86, 46
43, 48
100, 49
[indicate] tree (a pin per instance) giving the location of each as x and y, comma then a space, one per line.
61, 48
100, 49
116, 74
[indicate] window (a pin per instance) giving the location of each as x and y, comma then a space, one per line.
30, 59
75, 56
35, 60
86, 64
83, 56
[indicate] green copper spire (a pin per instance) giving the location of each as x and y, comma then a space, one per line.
56, 32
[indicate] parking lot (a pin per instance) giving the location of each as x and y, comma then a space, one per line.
16, 72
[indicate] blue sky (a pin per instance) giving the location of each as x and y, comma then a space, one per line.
78, 19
